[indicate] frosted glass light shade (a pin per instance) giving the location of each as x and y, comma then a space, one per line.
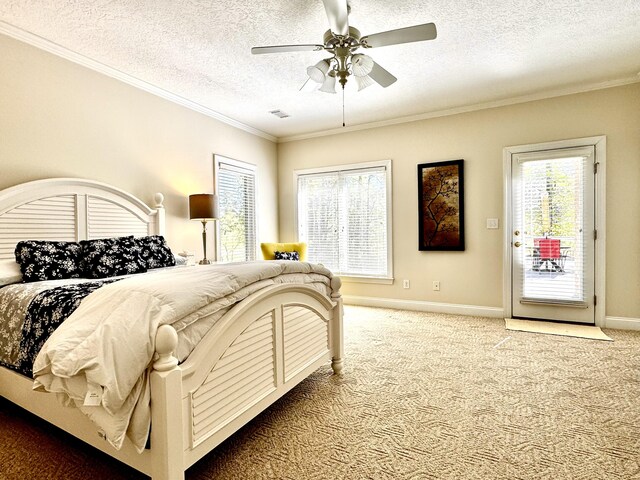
329, 84
361, 65
363, 82
318, 72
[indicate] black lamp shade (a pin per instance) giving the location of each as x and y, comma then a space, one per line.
203, 206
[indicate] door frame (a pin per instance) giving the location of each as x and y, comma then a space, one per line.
600, 144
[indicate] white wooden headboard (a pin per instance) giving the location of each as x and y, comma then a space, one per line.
73, 209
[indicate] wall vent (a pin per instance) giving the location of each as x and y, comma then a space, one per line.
279, 113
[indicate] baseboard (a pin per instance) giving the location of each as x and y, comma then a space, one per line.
619, 323
421, 306
622, 323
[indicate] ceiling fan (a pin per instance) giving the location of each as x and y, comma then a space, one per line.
342, 41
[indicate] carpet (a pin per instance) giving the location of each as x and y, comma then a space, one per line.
555, 328
423, 396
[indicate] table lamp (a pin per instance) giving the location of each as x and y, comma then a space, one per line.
203, 207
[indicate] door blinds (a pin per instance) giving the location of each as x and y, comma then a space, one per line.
555, 237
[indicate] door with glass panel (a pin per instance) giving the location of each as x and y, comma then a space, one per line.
553, 238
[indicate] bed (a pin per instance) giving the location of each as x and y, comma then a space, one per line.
260, 348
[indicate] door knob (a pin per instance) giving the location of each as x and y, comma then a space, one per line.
517, 244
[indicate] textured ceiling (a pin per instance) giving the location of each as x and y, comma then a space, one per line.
486, 51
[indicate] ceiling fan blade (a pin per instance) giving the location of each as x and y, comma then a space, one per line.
338, 16
286, 48
417, 33
381, 76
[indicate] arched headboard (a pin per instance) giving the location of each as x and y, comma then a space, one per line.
73, 209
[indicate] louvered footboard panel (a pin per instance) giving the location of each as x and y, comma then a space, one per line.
244, 374
306, 337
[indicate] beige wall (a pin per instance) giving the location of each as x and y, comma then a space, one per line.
474, 277
61, 119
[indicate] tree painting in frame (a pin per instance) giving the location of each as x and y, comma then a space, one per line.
441, 205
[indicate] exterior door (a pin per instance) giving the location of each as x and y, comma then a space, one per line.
553, 237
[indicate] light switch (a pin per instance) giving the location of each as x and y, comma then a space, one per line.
492, 223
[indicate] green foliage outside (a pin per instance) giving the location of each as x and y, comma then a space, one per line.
236, 222
552, 199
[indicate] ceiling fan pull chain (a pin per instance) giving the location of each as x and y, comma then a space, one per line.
343, 106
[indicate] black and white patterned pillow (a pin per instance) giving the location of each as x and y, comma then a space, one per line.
293, 255
155, 252
110, 257
43, 260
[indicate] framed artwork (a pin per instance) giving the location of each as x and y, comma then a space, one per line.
441, 205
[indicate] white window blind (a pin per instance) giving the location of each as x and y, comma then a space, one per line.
342, 216
553, 211
237, 225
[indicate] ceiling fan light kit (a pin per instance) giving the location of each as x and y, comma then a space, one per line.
329, 84
318, 72
342, 41
363, 82
361, 65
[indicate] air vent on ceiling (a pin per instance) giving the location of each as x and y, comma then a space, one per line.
279, 113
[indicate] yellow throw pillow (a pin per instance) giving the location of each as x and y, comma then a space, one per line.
269, 249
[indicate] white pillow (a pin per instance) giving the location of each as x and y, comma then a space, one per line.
9, 272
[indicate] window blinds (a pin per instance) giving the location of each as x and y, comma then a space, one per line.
342, 215
552, 211
237, 191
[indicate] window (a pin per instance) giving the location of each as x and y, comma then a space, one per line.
344, 215
236, 189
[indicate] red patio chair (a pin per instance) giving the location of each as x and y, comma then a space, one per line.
550, 252
549, 249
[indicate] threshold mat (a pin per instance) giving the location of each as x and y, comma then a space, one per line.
553, 328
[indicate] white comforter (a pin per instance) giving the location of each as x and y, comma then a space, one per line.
107, 344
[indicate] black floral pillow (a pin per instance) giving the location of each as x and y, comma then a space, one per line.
155, 252
287, 255
43, 260
110, 257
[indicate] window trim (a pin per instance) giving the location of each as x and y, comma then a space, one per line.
387, 164
242, 167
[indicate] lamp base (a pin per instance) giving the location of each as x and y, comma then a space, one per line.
204, 261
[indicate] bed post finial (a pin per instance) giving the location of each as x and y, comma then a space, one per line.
336, 283
159, 199
166, 344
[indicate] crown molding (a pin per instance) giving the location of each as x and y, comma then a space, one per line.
560, 92
51, 47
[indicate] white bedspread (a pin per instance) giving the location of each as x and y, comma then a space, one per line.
107, 344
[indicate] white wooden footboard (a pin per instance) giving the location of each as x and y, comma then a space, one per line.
260, 350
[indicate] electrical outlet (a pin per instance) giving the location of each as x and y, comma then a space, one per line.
436, 285
405, 284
